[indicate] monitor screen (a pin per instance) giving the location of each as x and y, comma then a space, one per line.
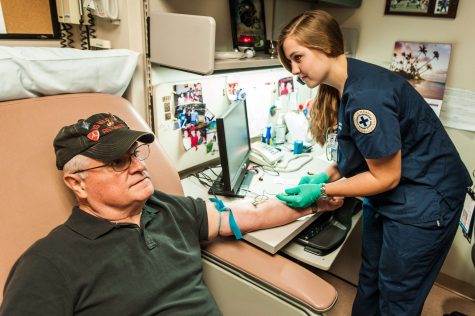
234, 148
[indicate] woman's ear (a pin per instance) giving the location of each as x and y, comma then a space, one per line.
76, 184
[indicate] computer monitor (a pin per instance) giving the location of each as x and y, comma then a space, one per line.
234, 148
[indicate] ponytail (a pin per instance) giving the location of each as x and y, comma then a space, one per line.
324, 112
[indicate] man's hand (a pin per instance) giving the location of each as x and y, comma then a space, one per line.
321, 177
330, 204
302, 195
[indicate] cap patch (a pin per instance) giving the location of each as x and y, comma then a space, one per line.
103, 127
365, 121
85, 125
94, 135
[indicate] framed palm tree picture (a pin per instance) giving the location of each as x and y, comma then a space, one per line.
432, 8
425, 66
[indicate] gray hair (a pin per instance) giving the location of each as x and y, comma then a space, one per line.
76, 163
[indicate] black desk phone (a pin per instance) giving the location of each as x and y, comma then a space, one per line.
329, 230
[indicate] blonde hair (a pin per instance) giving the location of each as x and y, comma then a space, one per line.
316, 30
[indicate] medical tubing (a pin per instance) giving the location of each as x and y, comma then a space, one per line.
232, 222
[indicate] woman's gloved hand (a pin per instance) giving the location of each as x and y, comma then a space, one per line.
321, 177
302, 195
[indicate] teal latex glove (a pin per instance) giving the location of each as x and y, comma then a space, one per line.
302, 195
321, 177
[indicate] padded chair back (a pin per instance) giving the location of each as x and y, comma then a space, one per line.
33, 196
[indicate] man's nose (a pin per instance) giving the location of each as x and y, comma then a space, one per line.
136, 164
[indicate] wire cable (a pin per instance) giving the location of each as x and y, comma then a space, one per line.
66, 35
92, 25
83, 36
284, 166
63, 41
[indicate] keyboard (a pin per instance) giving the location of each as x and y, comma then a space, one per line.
329, 230
315, 228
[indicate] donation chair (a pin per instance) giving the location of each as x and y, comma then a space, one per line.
243, 279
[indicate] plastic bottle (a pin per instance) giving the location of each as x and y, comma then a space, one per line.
280, 130
268, 135
263, 135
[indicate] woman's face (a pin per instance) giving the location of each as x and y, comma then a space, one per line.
310, 65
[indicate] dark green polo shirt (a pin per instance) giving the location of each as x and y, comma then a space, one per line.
89, 266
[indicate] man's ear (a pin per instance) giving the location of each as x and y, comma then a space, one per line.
76, 184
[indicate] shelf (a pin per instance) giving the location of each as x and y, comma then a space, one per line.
187, 42
258, 61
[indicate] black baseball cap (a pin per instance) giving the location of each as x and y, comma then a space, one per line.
102, 136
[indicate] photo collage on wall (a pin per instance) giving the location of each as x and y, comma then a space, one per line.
425, 66
193, 118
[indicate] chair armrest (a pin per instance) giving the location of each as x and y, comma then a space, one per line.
273, 272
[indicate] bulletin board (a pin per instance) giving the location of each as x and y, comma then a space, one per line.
216, 95
28, 19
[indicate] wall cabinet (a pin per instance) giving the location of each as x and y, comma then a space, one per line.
344, 3
187, 42
185, 34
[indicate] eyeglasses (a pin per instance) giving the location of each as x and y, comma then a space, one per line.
123, 163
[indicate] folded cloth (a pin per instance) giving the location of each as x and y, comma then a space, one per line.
38, 71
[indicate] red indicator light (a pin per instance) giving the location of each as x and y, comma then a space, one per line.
246, 39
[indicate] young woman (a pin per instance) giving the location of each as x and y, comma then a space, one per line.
391, 149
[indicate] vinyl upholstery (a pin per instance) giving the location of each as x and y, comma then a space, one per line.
34, 199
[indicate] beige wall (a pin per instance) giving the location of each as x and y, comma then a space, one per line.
130, 34
377, 34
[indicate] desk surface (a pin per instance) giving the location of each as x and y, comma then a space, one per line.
272, 240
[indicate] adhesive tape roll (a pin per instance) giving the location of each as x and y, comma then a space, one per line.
249, 53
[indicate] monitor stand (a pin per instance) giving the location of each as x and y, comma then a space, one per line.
240, 191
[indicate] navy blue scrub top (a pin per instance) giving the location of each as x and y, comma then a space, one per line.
380, 113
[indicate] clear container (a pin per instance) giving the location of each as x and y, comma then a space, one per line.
280, 131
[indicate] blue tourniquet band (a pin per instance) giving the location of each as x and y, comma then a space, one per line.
232, 222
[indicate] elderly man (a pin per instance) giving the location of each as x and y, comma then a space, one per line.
126, 249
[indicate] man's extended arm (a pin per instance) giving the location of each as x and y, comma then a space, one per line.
270, 213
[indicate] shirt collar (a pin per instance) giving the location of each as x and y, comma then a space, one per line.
87, 225
92, 227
